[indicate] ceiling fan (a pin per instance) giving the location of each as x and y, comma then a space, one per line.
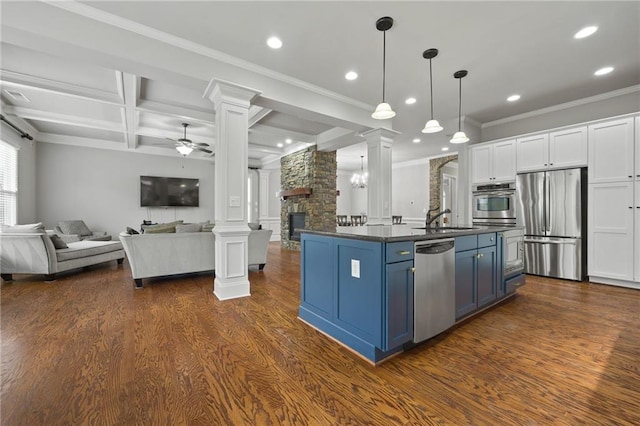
185, 146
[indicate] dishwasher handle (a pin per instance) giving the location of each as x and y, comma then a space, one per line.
435, 247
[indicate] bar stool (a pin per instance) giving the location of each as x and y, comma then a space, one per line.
396, 220
356, 220
342, 220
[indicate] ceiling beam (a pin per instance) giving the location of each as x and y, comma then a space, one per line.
58, 118
277, 133
257, 113
131, 95
337, 138
188, 114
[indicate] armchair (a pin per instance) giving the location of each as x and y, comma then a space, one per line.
76, 230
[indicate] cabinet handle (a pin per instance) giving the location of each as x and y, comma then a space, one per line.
630, 176
545, 164
479, 255
551, 164
404, 252
412, 269
491, 239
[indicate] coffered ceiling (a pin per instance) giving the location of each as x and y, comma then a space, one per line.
125, 75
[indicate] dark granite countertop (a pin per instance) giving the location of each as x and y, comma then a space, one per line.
396, 233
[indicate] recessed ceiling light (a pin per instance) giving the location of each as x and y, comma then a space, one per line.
351, 75
280, 145
445, 148
288, 140
416, 140
410, 101
274, 42
603, 71
513, 98
585, 32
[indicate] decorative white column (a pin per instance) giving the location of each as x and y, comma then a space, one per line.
264, 194
231, 103
379, 143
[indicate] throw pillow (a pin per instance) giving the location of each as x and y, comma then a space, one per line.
208, 227
160, 229
132, 231
188, 227
32, 228
58, 243
77, 227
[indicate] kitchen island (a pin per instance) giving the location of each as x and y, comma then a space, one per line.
357, 283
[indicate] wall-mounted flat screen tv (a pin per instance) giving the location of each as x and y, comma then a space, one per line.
156, 191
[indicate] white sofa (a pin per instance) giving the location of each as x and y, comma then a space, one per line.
34, 253
155, 255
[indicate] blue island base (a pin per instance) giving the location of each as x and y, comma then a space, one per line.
347, 339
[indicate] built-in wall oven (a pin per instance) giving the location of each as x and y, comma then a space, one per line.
512, 252
494, 204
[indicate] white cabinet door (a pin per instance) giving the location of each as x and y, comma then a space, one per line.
504, 161
611, 153
568, 148
532, 153
610, 227
637, 168
637, 232
481, 168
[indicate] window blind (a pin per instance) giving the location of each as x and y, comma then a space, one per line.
8, 184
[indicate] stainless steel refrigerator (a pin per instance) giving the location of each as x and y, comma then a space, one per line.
552, 209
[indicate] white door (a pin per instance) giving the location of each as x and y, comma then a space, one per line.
611, 153
568, 148
610, 240
532, 153
504, 161
481, 164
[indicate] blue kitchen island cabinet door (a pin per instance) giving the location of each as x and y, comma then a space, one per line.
487, 276
317, 275
466, 285
359, 289
399, 304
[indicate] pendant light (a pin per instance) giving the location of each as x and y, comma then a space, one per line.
359, 180
432, 125
459, 136
383, 110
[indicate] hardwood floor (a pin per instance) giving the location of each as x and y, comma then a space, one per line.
89, 349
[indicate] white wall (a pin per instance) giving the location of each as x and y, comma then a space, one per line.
274, 186
102, 187
410, 189
343, 201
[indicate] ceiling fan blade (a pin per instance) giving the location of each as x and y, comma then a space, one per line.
200, 143
208, 151
172, 140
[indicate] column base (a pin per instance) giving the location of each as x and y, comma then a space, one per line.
231, 289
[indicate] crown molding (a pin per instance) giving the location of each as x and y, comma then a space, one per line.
143, 30
560, 107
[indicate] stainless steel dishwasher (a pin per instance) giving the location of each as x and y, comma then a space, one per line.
434, 299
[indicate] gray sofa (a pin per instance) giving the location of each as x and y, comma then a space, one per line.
33, 252
164, 254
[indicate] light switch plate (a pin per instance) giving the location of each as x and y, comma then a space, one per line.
355, 268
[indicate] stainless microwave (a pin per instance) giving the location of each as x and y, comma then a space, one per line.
494, 203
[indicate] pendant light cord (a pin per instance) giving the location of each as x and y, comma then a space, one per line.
431, 88
459, 104
384, 60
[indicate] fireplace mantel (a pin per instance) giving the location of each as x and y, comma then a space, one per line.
296, 192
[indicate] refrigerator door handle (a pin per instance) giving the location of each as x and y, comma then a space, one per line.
572, 242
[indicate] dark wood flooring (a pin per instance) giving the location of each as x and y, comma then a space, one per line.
89, 349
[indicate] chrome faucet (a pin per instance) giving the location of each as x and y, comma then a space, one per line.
430, 219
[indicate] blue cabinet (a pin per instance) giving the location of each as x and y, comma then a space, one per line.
358, 292
476, 273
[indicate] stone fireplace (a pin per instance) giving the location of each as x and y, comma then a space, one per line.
308, 184
296, 223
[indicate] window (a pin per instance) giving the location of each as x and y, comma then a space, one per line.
8, 184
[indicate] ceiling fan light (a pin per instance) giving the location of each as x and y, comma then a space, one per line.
184, 150
432, 126
459, 137
383, 111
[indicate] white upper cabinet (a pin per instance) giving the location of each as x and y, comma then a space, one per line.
556, 150
493, 163
568, 148
637, 168
611, 151
532, 153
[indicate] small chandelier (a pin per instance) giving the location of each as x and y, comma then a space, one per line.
359, 180
432, 125
459, 136
383, 110
184, 150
